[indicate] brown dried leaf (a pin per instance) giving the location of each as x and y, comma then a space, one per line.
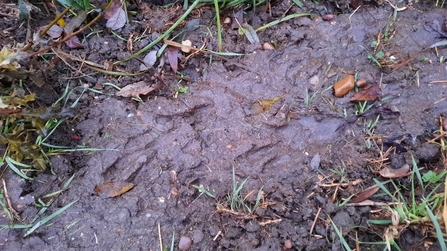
391, 173
371, 92
265, 104
74, 43
134, 90
75, 22
112, 9
117, 21
55, 31
112, 189
172, 54
365, 194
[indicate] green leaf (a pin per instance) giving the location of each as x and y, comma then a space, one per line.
299, 3
76, 4
70, 3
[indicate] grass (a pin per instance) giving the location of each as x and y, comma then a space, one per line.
416, 209
309, 98
237, 201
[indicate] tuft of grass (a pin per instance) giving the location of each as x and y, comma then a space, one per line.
416, 209
237, 201
309, 98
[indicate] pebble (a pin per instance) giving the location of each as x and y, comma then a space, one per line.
361, 83
288, 244
344, 85
327, 17
184, 243
315, 162
268, 46
186, 43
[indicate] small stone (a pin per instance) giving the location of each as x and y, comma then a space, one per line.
186, 43
268, 46
184, 243
344, 85
314, 81
227, 20
315, 162
361, 83
287, 244
327, 17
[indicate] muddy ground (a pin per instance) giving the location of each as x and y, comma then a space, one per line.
217, 127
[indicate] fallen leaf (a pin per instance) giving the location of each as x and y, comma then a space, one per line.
25, 9
238, 18
118, 19
9, 59
136, 89
3, 105
395, 142
75, 22
55, 31
371, 92
149, 60
112, 189
116, 5
172, 54
265, 104
74, 43
250, 33
392, 173
365, 194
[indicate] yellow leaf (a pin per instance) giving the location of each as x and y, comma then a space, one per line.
265, 104
8, 59
61, 23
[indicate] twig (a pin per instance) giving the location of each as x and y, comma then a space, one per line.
217, 235
269, 222
42, 33
11, 209
65, 38
159, 237
315, 221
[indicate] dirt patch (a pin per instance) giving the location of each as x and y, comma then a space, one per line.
215, 128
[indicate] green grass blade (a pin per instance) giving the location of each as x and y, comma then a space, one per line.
342, 239
380, 222
15, 226
173, 234
50, 217
204, 191
384, 188
438, 229
159, 39
282, 20
10, 162
416, 171
219, 27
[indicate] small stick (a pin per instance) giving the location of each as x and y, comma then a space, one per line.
269, 222
159, 237
315, 221
65, 38
217, 235
438, 81
13, 211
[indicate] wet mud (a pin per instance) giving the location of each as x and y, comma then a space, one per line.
169, 146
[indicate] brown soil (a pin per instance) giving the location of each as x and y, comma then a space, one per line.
216, 127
